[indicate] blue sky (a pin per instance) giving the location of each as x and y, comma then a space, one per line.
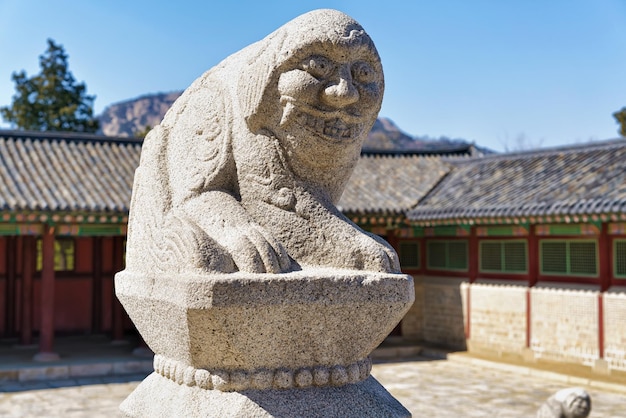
494, 72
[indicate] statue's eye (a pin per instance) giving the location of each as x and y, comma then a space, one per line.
318, 66
363, 72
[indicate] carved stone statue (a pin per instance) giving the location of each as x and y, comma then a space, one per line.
257, 296
566, 403
244, 171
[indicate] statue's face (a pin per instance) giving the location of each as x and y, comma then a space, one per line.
577, 406
332, 94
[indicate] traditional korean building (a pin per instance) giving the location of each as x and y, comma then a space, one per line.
526, 254
64, 202
522, 253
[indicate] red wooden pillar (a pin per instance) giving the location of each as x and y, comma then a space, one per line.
423, 255
46, 334
118, 311
473, 255
604, 260
533, 276
11, 273
393, 240
604, 252
473, 275
96, 287
28, 267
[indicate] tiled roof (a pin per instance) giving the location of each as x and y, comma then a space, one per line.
584, 179
88, 173
390, 183
66, 172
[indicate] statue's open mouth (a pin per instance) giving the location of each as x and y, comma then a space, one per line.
337, 125
333, 128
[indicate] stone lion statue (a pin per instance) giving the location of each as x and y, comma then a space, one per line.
246, 167
566, 403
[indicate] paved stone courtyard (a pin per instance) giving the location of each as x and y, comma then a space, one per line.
428, 388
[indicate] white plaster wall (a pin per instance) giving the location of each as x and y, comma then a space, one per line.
413, 322
444, 311
564, 322
498, 316
614, 303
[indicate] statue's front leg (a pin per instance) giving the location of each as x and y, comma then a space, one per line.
232, 230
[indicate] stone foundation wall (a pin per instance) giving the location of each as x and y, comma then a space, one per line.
564, 319
564, 322
614, 303
498, 316
443, 311
413, 322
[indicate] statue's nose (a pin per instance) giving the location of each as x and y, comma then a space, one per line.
340, 93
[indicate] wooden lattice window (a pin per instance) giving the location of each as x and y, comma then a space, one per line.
447, 255
569, 257
503, 256
409, 253
63, 254
619, 258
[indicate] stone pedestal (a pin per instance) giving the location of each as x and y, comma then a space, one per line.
241, 344
160, 397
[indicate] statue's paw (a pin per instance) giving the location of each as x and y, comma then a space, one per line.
254, 250
184, 246
374, 254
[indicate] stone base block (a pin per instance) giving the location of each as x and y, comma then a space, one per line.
529, 355
158, 396
46, 357
242, 321
601, 366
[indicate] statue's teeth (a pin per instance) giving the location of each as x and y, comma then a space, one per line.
335, 127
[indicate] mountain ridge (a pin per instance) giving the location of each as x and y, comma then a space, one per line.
131, 117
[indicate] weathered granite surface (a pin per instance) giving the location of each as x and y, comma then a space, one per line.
158, 397
258, 297
249, 322
244, 170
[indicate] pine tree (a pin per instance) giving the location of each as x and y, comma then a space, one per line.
51, 100
620, 117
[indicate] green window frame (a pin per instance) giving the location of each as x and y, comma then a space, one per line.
569, 257
503, 256
64, 252
619, 258
409, 254
447, 255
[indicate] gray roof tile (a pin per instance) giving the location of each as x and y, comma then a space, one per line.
66, 171
390, 183
88, 173
582, 179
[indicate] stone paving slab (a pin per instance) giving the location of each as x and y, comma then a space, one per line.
457, 389
428, 388
568, 380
